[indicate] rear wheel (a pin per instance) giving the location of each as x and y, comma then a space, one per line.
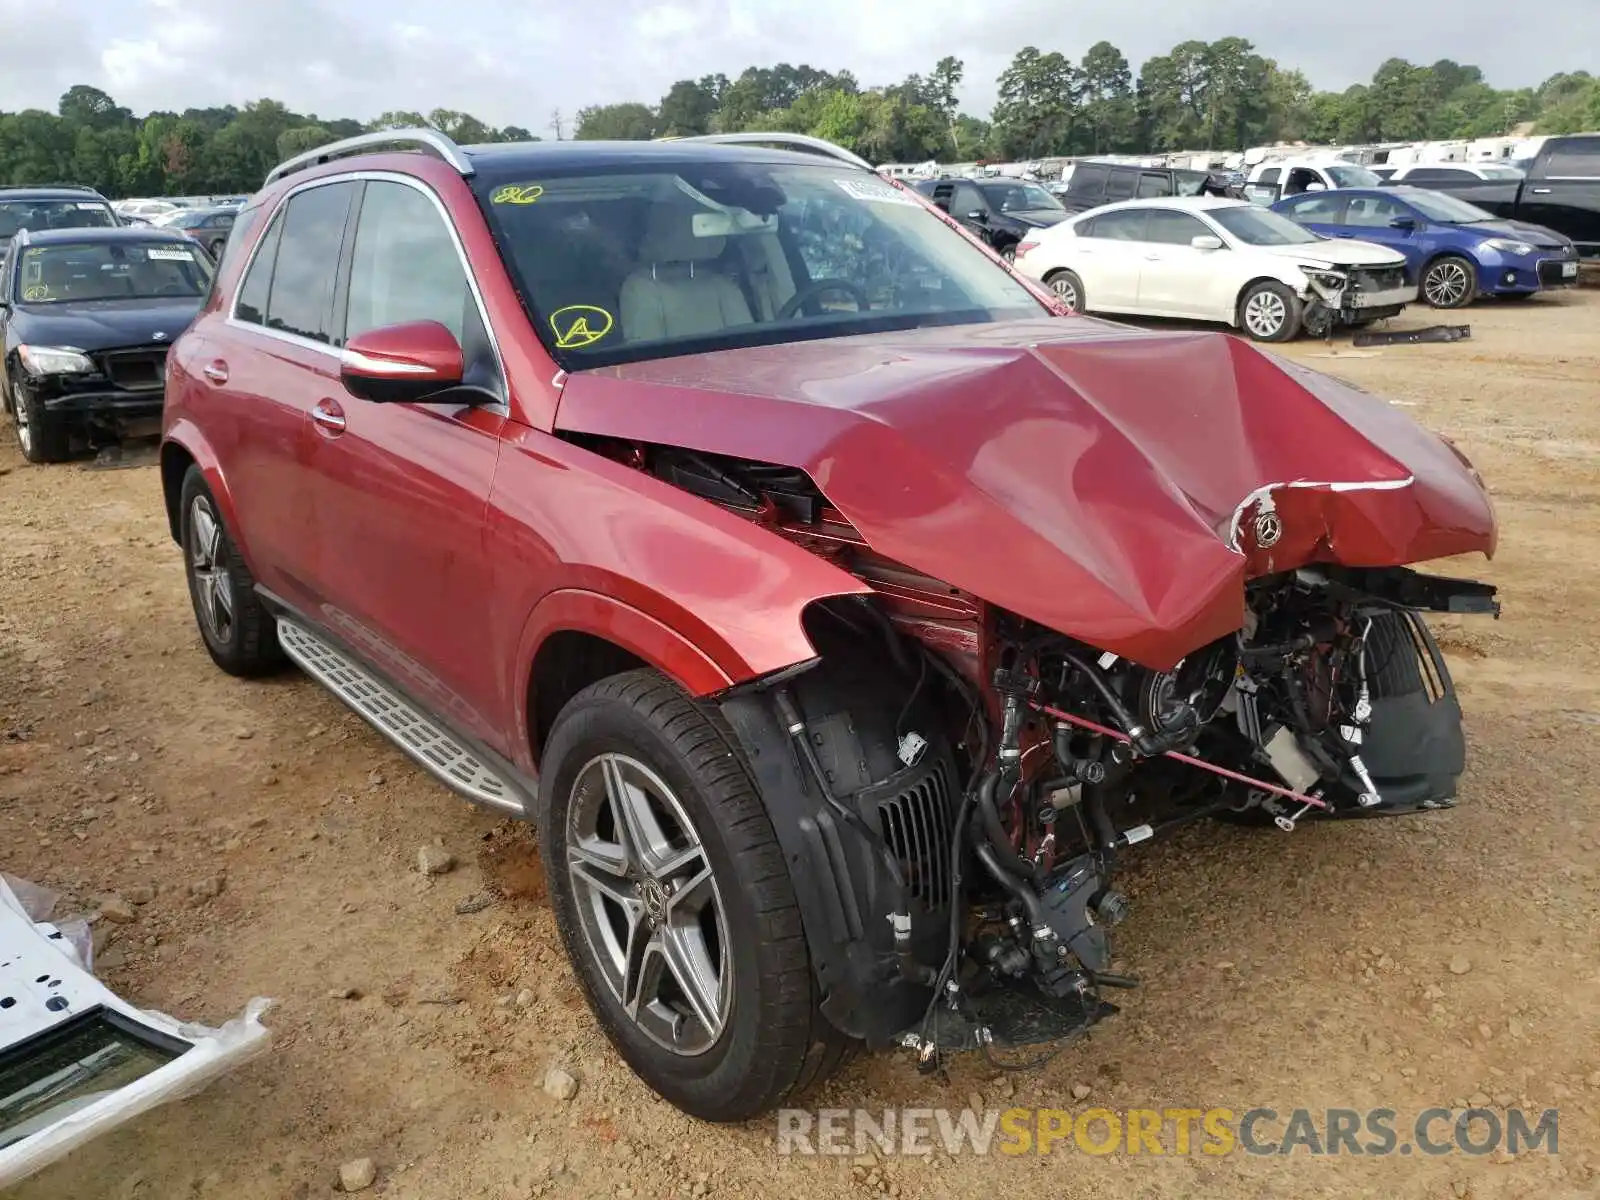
1068, 288
675, 903
1270, 312
1449, 282
240, 634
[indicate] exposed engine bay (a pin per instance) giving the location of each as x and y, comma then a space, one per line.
964, 781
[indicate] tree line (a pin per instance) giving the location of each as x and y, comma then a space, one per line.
1220, 95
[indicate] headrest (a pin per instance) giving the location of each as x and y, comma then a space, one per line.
669, 237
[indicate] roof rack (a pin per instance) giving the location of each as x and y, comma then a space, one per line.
430, 141
783, 141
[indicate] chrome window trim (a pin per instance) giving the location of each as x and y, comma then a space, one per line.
336, 352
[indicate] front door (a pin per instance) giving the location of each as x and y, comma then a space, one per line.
1178, 280
402, 488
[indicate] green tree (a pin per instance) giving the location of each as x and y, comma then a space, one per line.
1109, 108
626, 122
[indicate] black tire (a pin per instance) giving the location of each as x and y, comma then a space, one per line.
1060, 282
44, 438
1450, 281
772, 1041
246, 644
1264, 299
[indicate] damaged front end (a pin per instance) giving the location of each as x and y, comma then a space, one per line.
1337, 297
1142, 581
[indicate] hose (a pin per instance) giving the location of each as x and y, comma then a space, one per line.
994, 830
1025, 895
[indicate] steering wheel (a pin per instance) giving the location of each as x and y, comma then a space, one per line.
819, 288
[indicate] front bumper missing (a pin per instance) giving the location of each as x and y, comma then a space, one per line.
76, 1060
104, 406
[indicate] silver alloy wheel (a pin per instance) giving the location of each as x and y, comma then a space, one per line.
648, 904
1446, 285
1264, 314
213, 585
1063, 286
19, 414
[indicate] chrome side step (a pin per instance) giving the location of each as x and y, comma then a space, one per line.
433, 749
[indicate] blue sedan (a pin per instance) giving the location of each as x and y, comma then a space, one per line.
1454, 250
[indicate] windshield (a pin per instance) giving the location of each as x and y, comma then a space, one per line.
79, 271
53, 214
651, 260
1439, 206
1022, 197
1261, 227
1190, 183
1346, 176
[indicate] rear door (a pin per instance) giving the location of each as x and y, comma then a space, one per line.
1322, 213
402, 488
261, 369
1109, 255
1177, 280
1563, 191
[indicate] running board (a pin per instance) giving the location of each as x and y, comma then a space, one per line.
439, 753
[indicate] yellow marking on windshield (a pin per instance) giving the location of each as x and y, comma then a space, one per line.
517, 193
579, 325
37, 292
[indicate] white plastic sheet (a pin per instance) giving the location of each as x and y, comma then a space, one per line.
44, 975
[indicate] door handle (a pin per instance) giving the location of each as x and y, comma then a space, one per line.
328, 417
1541, 191
1152, 258
216, 370
1344, 235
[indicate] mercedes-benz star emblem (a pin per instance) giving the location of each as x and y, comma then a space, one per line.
1268, 530
160, 336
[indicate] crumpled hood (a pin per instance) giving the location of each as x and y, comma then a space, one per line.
1102, 481
1338, 252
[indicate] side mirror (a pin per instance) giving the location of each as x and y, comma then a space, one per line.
978, 215
1206, 241
400, 363
1405, 223
1316, 186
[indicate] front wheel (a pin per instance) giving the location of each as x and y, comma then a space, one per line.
1449, 282
1068, 289
675, 903
1270, 312
43, 436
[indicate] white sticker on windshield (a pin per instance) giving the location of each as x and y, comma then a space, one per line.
876, 193
90, 205
159, 255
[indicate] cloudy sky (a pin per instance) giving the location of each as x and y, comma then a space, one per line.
514, 63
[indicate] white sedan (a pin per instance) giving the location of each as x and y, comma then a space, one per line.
1207, 258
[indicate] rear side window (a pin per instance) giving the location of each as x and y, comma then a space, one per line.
1573, 158
1121, 226
251, 304
1154, 183
1087, 180
1120, 186
301, 299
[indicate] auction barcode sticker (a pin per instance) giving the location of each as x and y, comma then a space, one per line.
159, 255
876, 193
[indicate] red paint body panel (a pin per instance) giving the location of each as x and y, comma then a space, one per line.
1080, 474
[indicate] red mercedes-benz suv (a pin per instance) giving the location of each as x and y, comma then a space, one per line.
837, 609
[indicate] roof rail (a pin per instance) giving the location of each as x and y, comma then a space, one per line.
783, 141
430, 141
55, 187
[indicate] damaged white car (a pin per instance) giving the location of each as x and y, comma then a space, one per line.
1207, 258
77, 1060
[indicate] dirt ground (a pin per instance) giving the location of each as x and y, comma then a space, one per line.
416, 1016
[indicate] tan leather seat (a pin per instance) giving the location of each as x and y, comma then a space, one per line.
675, 292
